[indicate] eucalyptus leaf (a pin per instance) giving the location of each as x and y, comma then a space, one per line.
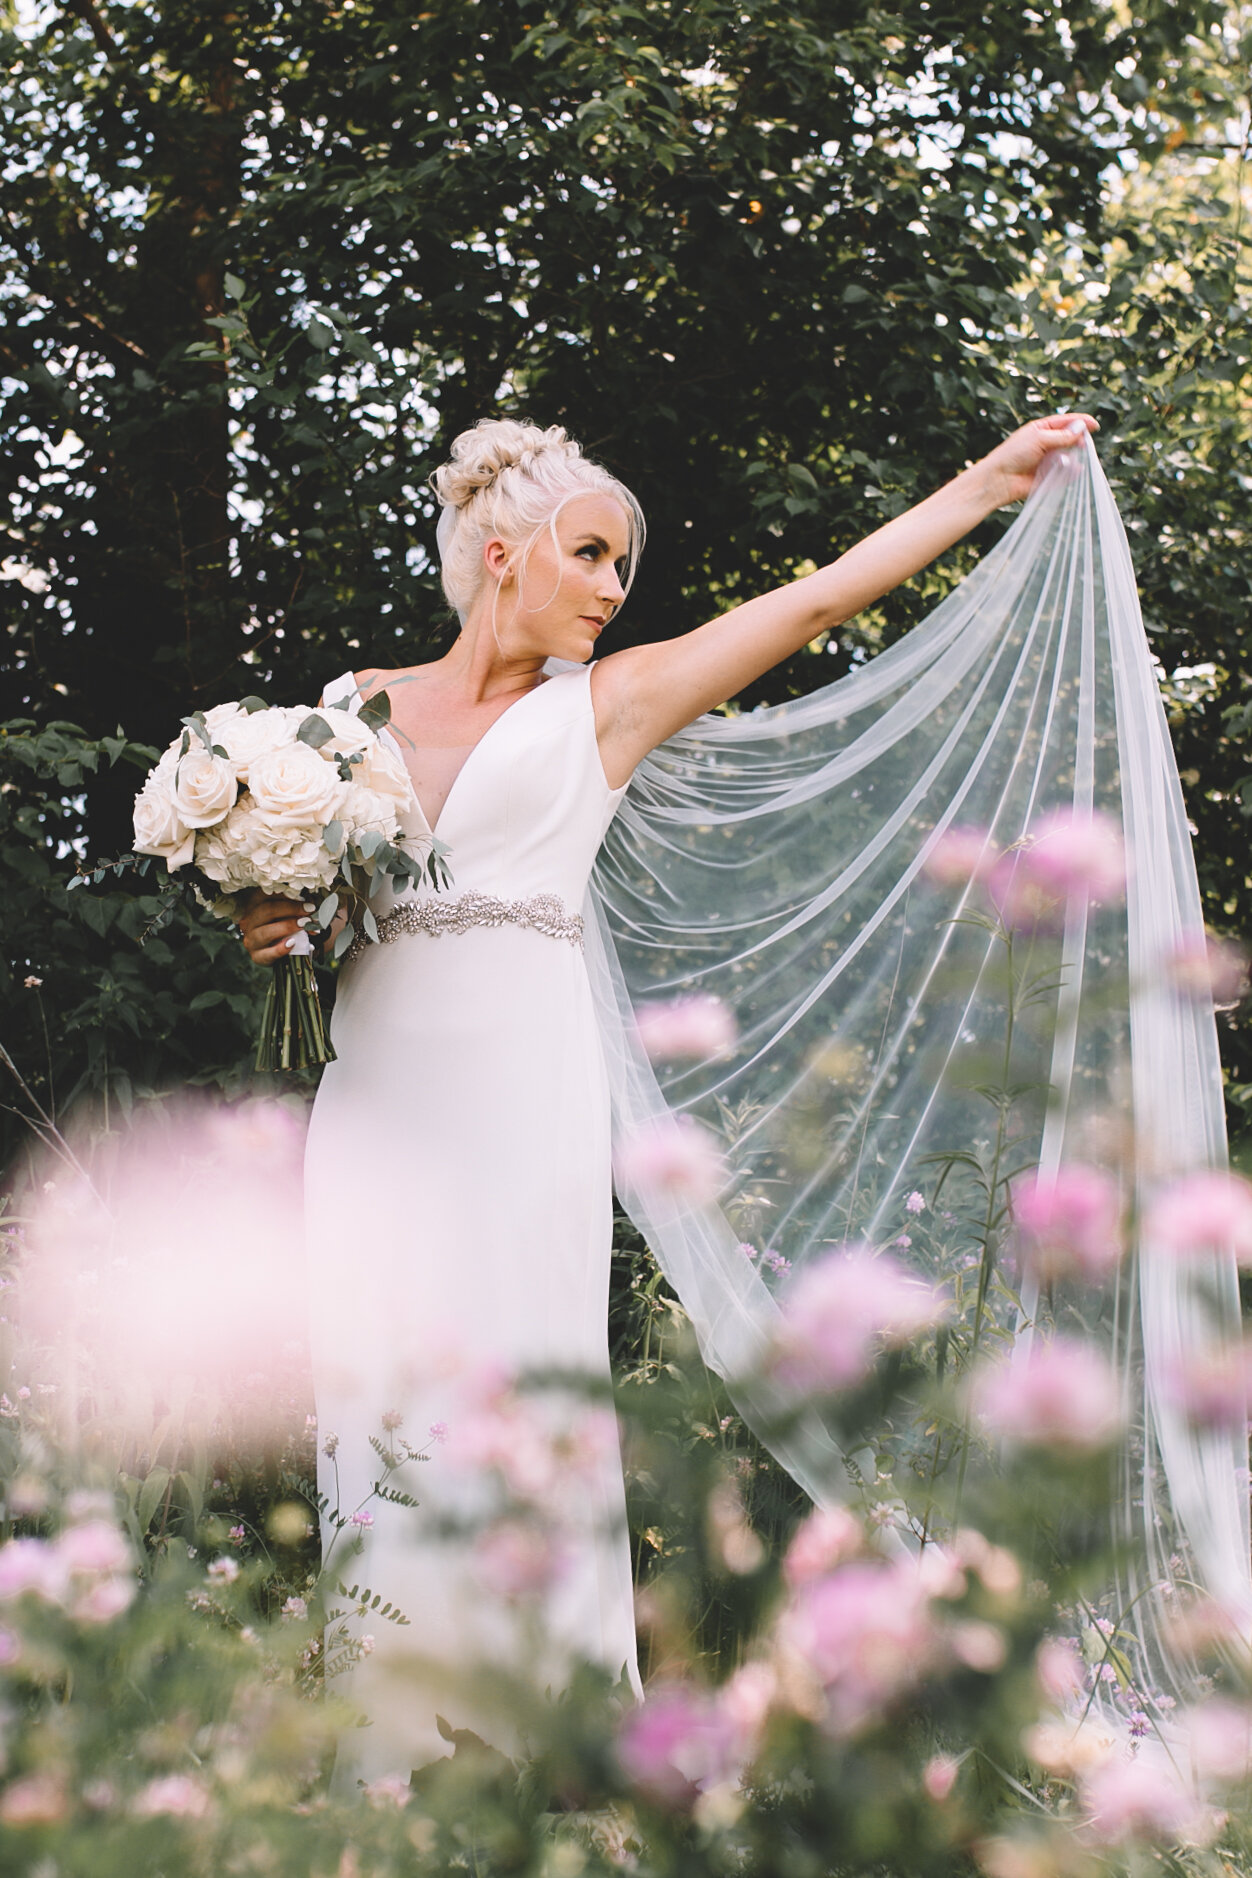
376, 711
252, 704
343, 941
327, 910
332, 838
315, 731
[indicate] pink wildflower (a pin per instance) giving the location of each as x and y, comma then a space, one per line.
1069, 1222
1062, 1396
1207, 1211
698, 1027
959, 856
517, 1560
1058, 1666
675, 1158
1070, 855
362, 1520
297, 1608
1144, 1798
1214, 1388
676, 1742
840, 1311
178, 1795
915, 1203
1218, 1736
1205, 967
866, 1633
94, 1546
438, 1431
389, 1790
36, 1800
825, 1539
224, 1571
939, 1776
29, 1565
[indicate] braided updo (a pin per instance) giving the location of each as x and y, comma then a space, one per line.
511, 480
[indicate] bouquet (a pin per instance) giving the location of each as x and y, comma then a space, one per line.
303, 804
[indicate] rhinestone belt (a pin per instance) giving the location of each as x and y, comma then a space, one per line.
543, 912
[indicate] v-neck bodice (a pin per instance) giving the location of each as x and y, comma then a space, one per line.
529, 805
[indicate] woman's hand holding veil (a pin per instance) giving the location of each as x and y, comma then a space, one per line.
646, 693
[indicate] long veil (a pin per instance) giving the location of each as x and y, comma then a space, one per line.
784, 861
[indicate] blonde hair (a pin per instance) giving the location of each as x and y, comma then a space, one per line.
510, 480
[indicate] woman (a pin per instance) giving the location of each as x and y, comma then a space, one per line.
469, 1100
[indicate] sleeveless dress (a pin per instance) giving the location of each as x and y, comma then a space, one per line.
458, 1203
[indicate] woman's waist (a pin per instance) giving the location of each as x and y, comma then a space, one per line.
458, 911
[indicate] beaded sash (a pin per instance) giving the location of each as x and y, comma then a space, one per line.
543, 912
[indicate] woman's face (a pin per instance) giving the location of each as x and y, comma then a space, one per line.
567, 593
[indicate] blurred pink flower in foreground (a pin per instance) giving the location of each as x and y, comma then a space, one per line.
1062, 1395
178, 1795
1218, 1739
676, 1742
1214, 1388
1144, 1797
1068, 854
1203, 1212
675, 1158
1059, 1667
939, 1776
1069, 1222
179, 1290
828, 1537
866, 1633
1203, 966
38, 1799
87, 1570
842, 1310
699, 1026
960, 855
517, 1559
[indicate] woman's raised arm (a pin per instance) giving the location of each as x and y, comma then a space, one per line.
645, 693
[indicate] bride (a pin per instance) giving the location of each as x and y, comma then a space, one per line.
458, 1164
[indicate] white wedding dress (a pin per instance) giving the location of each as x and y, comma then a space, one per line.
459, 1221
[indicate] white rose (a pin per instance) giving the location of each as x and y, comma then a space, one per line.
383, 770
253, 734
352, 733
159, 829
204, 787
296, 785
220, 716
363, 809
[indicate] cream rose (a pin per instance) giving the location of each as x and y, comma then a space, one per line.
383, 770
159, 829
204, 787
249, 735
296, 786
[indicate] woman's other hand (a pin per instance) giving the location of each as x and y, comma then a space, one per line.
1010, 468
268, 927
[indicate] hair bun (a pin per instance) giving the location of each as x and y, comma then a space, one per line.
495, 444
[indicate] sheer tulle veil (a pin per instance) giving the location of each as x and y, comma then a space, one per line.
781, 860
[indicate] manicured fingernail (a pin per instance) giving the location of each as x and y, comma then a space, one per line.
310, 906
1078, 428
306, 921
